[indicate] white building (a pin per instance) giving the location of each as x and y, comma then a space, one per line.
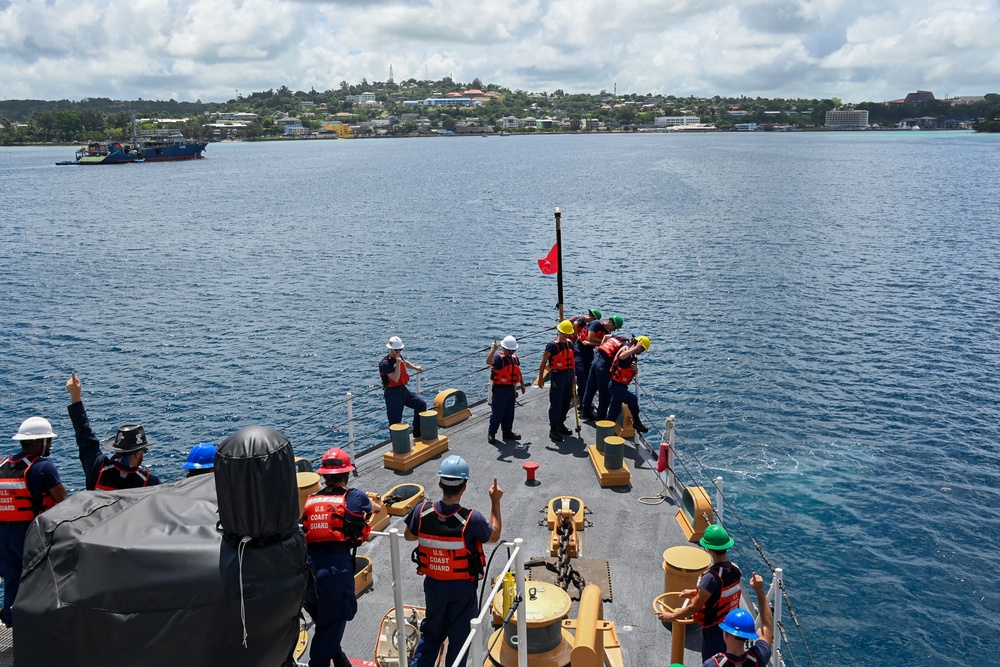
667, 121
847, 119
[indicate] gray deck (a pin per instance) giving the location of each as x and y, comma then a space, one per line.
630, 535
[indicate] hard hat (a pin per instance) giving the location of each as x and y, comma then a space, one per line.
595, 313
453, 471
566, 327
618, 321
739, 623
395, 343
335, 462
202, 456
509, 343
644, 341
34, 428
716, 538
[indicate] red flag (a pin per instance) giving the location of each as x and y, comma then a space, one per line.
550, 263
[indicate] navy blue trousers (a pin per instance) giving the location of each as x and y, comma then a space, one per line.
712, 642
450, 607
560, 397
620, 394
502, 415
330, 601
11, 555
597, 383
397, 398
584, 359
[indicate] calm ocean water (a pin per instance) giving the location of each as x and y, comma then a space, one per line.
824, 311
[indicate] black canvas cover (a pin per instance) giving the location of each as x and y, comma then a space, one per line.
144, 577
258, 489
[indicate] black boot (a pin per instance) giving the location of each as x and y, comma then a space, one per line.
564, 430
491, 438
639, 426
511, 436
554, 435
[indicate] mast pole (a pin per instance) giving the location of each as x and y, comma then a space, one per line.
558, 215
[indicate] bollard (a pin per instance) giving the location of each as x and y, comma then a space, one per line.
530, 467
400, 435
605, 427
429, 425
614, 452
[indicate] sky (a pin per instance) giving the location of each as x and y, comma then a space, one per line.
213, 50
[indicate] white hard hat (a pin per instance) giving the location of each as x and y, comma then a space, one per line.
34, 428
509, 343
395, 343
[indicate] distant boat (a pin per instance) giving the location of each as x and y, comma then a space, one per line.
146, 146
105, 152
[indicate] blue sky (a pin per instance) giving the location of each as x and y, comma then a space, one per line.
209, 49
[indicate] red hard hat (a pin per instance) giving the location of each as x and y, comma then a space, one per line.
335, 462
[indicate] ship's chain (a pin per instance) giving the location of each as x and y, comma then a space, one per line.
567, 574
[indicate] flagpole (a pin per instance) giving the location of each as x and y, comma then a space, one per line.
560, 264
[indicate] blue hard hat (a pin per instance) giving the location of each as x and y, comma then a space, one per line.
201, 456
739, 622
454, 469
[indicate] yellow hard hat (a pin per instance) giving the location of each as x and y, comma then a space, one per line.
644, 341
566, 327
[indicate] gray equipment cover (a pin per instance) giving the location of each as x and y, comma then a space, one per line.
144, 577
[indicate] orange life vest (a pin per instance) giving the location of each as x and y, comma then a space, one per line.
717, 606
610, 344
623, 372
580, 324
441, 551
404, 376
16, 503
749, 660
126, 479
509, 371
327, 519
563, 359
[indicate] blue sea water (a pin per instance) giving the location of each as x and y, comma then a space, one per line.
824, 313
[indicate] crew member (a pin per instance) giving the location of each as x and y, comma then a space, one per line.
335, 524
738, 632
506, 376
583, 349
450, 555
393, 369
200, 460
593, 336
599, 379
122, 470
558, 359
623, 369
718, 592
29, 485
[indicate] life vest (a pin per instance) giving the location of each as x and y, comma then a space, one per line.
16, 502
580, 324
623, 372
329, 520
610, 344
723, 660
115, 477
441, 551
509, 371
404, 376
563, 359
716, 608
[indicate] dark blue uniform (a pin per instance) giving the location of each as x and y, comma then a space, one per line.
397, 398
450, 604
94, 460
42, 476
330, 599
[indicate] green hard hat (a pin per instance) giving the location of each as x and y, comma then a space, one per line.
716, 538
595, 313
619, 322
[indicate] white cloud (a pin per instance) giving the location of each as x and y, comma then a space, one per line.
208, 49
